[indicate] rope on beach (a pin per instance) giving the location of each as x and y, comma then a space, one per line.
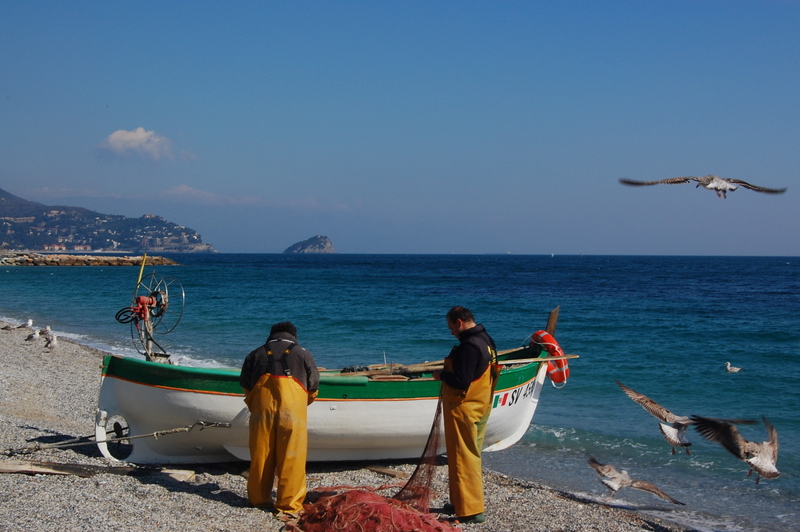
85, 440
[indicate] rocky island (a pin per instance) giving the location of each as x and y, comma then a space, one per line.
315, 244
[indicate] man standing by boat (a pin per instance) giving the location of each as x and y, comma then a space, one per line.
468, 381
280, 380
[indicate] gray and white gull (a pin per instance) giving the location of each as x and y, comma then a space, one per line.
720, 185
671, 426
51, 343
761, 457
616, 480
731, 369
27, 325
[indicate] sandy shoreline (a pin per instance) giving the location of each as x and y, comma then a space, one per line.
48, 397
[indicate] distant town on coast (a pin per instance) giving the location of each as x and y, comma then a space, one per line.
30, 226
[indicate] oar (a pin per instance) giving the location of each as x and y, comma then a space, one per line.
529, 360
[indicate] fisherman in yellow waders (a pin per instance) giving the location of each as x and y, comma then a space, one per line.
280, 379
468, 381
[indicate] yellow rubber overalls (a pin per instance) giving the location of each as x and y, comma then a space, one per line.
465, 414
278, 442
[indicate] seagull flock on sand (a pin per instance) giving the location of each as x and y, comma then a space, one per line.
720, 185
51, 340
760, 457
27, 325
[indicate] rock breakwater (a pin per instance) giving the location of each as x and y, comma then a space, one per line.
46, 259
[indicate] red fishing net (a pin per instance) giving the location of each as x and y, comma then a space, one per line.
417, 491
360, 510
365, 511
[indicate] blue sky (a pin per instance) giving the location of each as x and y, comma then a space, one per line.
412, 127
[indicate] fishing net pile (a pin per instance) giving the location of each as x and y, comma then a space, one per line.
360, 510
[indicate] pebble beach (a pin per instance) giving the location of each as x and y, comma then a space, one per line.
49, 396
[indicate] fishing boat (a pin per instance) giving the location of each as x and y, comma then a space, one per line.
155, 413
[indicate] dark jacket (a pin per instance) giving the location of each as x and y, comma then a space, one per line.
281, 355
469, 358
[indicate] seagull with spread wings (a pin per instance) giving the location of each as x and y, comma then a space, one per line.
761, 457
672, 427
616, 480
720, 185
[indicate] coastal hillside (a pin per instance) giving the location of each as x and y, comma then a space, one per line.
30, 225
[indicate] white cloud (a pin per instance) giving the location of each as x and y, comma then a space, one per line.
138, 142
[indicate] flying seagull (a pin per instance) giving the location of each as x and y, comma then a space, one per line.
731, 369
761, 457
721, 185
672, 427
615, 481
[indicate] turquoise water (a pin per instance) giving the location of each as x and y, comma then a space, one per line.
664, 326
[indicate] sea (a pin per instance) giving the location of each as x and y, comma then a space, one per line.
662, 325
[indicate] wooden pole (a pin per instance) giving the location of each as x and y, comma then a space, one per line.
529, 360
552, 320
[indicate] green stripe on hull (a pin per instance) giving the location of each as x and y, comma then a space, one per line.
333, 386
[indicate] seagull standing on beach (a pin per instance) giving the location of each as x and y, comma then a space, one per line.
27, 325
672, 427
615, 481
32, 337
731, 369
45, 331
761, 457
52, 342
720, 185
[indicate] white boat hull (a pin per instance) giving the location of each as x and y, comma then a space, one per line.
338, 429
